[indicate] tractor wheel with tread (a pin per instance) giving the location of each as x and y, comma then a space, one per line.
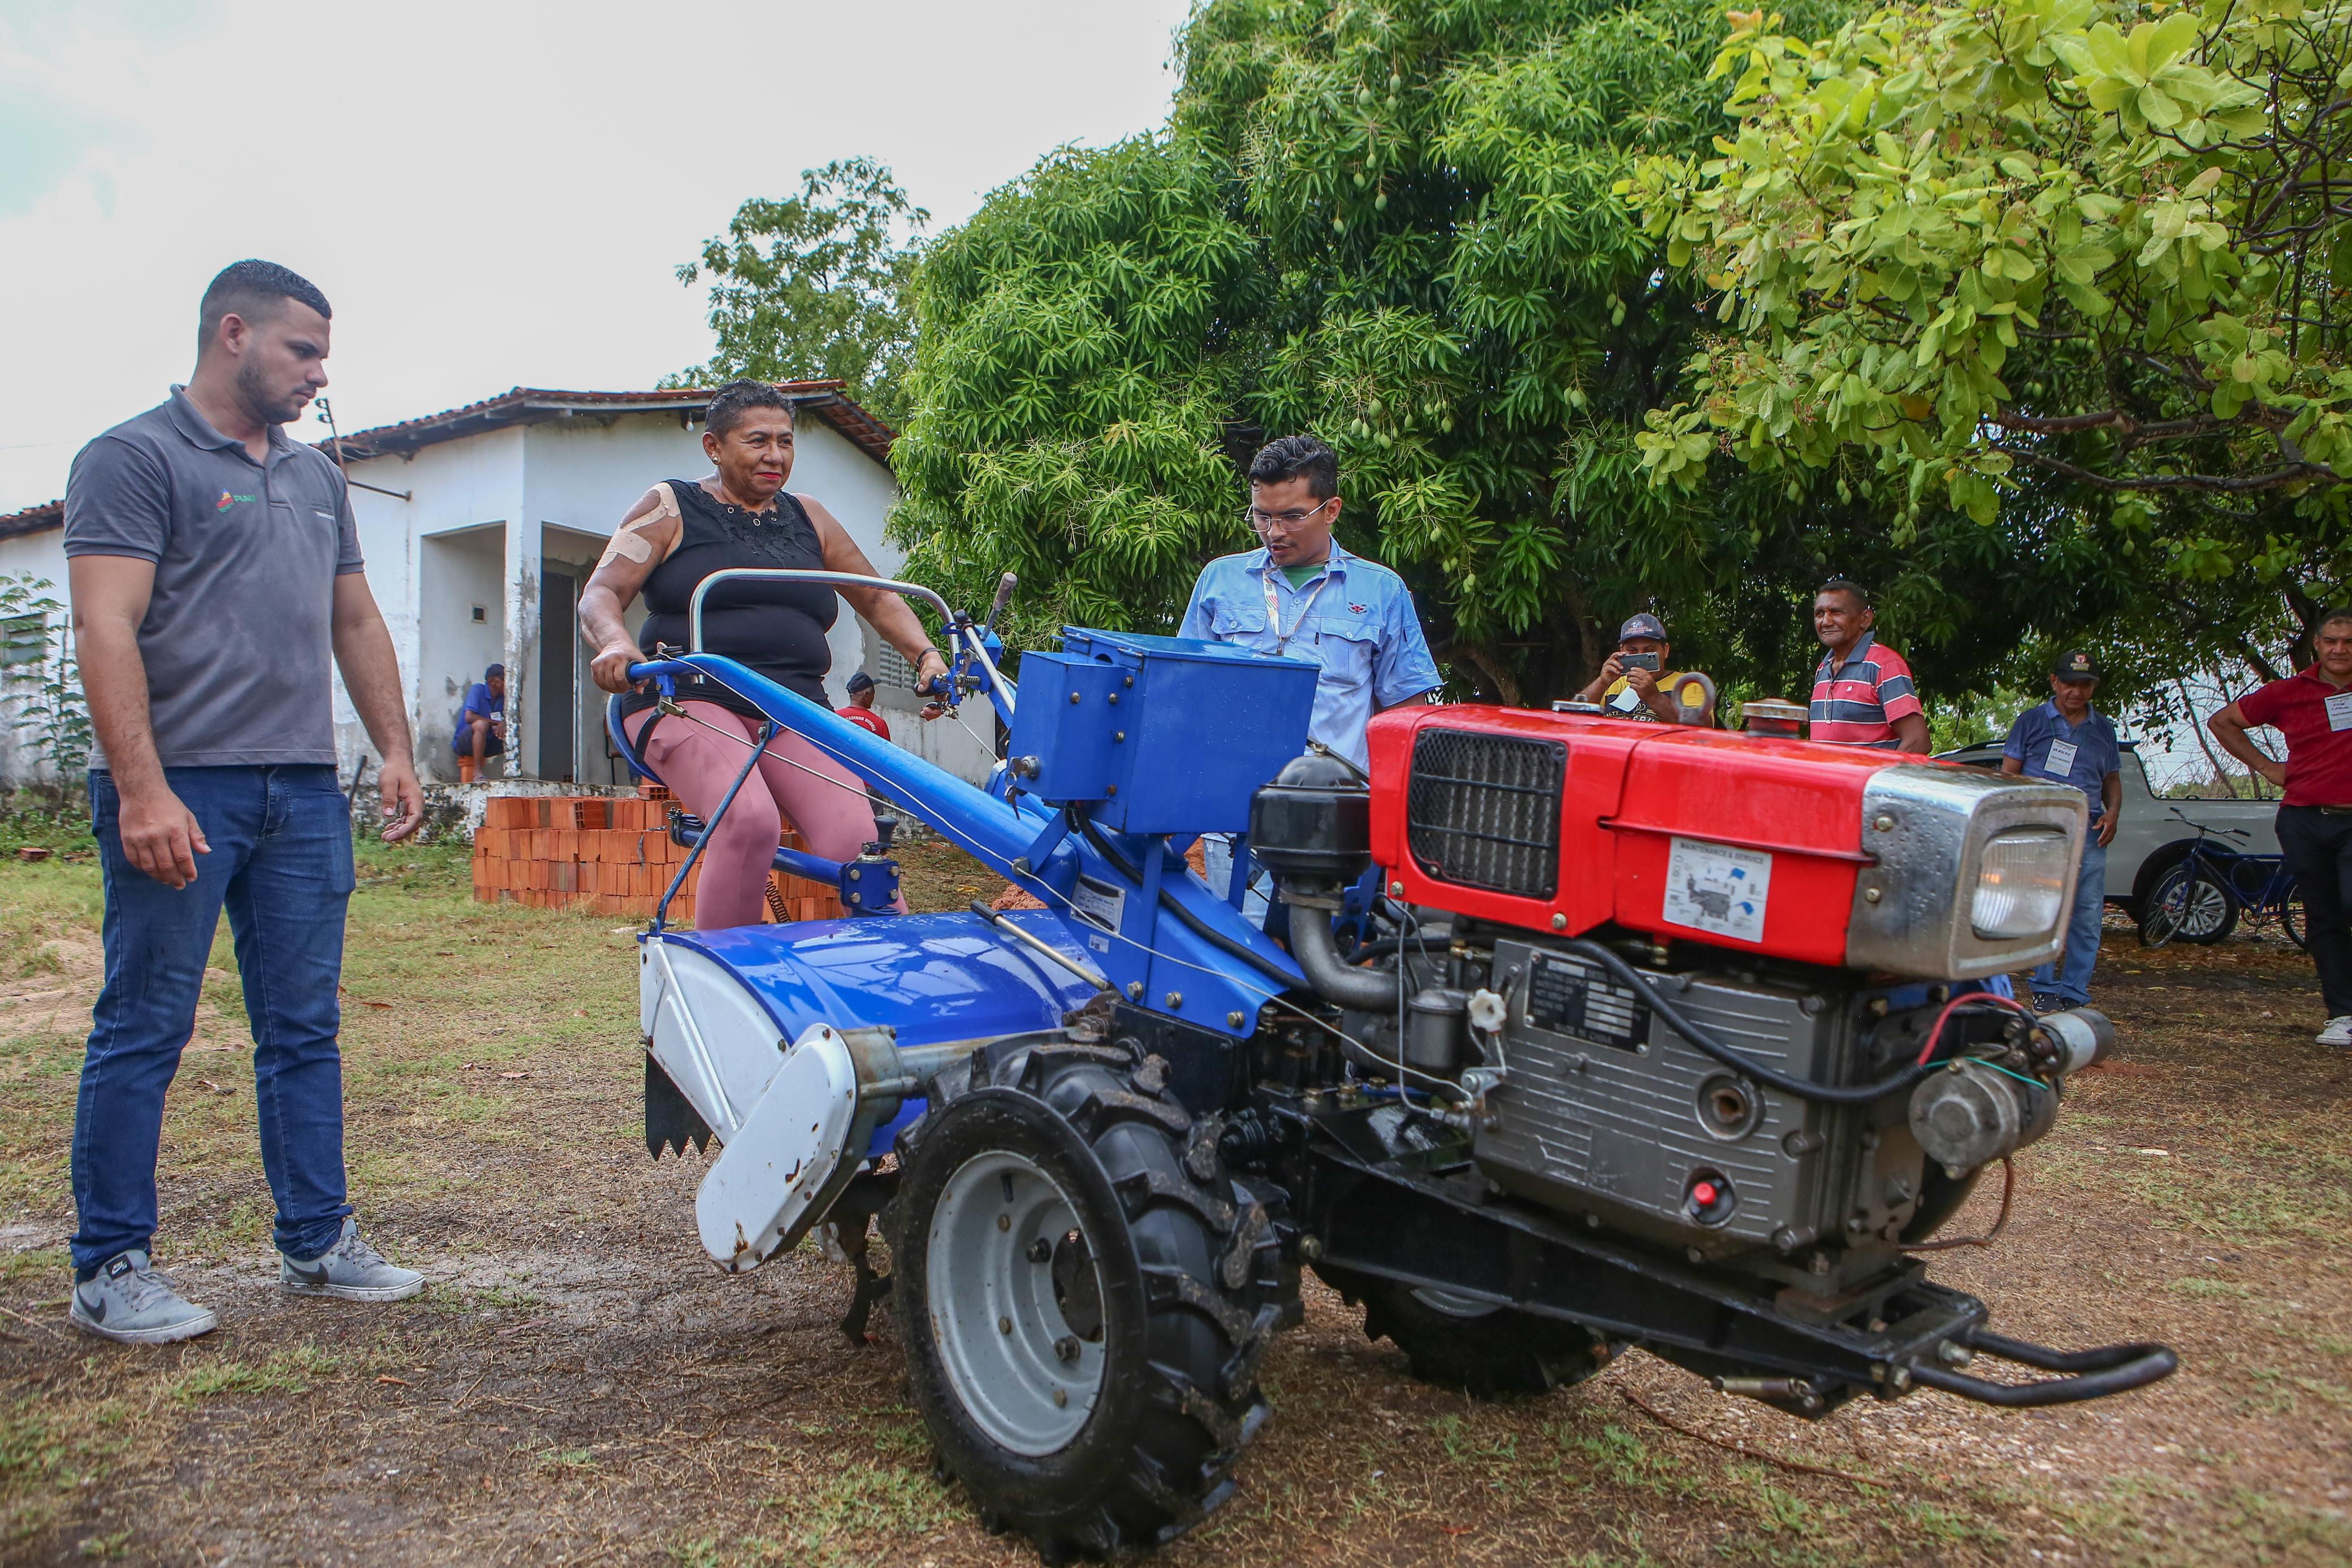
1458, 1341
1084, 1295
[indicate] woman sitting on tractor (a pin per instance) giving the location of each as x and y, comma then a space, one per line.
679, 533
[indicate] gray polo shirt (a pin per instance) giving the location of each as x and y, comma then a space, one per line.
238, 638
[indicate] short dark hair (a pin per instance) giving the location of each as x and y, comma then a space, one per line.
730, 402
1846, 585
2343, 613
251, 290
1298, 457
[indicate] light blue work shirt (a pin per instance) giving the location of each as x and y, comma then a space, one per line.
1355, 618
2039, 730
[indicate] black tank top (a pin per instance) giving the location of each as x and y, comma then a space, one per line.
775, 628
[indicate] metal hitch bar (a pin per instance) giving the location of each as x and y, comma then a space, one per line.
2109, 1369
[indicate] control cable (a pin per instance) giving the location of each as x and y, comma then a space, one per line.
1191, 922
1703, 1041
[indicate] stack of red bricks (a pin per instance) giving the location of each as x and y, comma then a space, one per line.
612, 855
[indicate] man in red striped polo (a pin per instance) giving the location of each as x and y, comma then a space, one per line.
1863, 693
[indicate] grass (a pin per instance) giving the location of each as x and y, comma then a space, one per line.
577, 1367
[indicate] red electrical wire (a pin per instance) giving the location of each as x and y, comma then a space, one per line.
1935, 1030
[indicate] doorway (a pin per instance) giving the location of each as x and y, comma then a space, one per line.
558, 680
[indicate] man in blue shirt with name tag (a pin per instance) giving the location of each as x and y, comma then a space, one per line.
2068, 741
1302, 596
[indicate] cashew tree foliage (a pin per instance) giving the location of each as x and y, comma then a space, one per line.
2075, 270
1393, 225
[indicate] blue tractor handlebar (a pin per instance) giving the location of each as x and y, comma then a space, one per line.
1162, 937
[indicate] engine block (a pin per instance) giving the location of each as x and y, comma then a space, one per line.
1605, 1110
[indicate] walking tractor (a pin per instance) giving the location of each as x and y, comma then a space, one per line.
1588, 1036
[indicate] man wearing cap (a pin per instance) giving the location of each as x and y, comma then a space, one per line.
859, 710
1863, 691
1647, 691
2313, 710
2067, 742
482, 732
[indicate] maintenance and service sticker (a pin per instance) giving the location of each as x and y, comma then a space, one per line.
1098, 902
1718, 888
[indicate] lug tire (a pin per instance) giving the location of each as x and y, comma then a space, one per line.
1487, 1353
1188, 1281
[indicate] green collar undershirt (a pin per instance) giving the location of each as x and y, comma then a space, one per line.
1300, 576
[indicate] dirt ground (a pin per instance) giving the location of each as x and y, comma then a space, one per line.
578, 1384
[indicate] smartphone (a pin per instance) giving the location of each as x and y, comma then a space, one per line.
1638, 662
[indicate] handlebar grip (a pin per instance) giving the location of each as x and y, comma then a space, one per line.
1004, 586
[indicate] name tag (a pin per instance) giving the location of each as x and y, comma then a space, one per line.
2339, 711
2060, 763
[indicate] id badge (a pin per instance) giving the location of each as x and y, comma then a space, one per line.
2060, 763
2339, 712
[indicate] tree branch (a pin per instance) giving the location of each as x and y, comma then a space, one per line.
2204, 484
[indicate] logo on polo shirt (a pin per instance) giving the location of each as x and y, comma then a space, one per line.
228, 500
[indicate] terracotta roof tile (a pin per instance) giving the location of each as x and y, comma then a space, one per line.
535, 405
33, 519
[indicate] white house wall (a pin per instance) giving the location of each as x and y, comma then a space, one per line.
471, 488
474, 531
42, 556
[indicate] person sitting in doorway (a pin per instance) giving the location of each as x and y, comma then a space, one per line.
859, 710
1635, 682
683, 530
482, 732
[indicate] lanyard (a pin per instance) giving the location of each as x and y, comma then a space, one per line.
1274, 607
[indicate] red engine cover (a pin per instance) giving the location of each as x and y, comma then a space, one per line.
1747, 842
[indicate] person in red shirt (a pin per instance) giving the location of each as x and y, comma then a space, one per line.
1862, 694
2313, 711
860, 710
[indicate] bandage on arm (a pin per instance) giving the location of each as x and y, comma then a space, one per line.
633, 540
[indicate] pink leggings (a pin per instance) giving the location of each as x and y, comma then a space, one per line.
830, 810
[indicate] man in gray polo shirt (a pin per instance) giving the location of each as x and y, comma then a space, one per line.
216, 569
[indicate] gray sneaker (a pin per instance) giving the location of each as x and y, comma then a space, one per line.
350, 1270
129, 1301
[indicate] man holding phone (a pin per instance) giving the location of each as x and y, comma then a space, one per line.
1634, 683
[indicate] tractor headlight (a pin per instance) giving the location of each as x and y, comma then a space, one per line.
2021, 885
1968, 873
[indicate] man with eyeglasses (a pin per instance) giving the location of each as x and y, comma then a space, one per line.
1300, 594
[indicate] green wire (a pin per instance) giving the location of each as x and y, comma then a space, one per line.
2022, 1078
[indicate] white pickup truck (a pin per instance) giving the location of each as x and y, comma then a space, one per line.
2153, 834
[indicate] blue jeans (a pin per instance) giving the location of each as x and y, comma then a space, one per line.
281, 864
1218, 856
2071, 978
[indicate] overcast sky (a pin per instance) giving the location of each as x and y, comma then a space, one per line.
490, 195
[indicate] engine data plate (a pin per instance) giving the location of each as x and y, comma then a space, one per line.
1570, 996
